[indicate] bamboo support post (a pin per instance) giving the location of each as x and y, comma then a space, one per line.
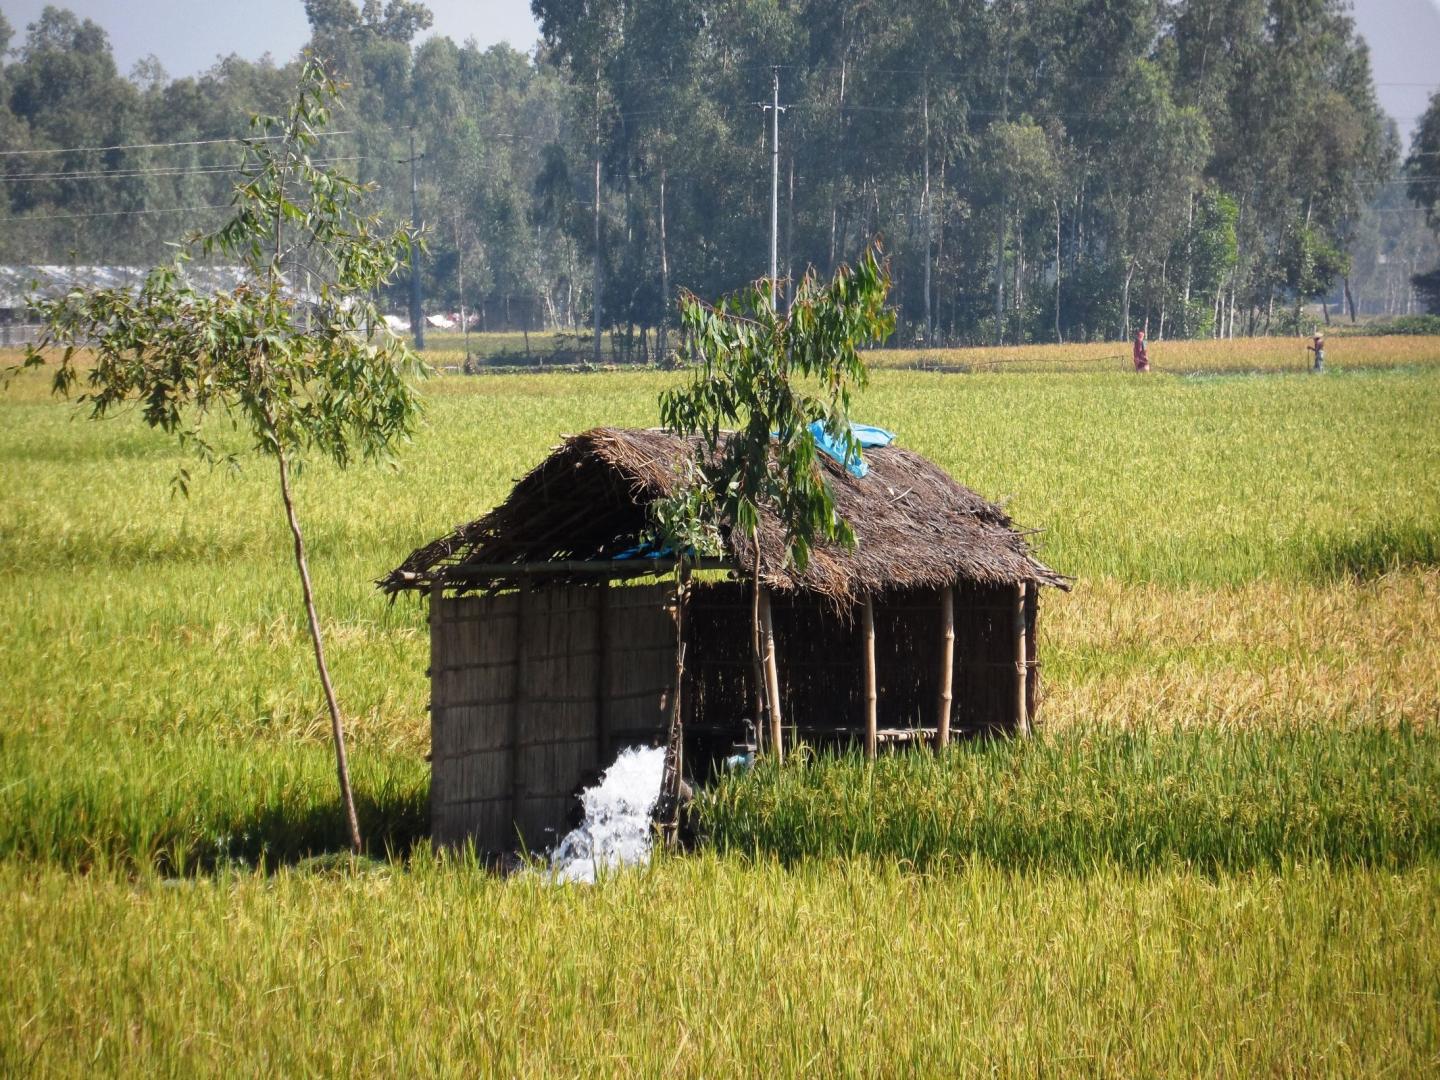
667, 810
772, 676
871, 733
517, 701
1022, 666
757, 661
947, 666
602, 678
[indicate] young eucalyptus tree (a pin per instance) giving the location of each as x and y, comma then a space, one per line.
762, 377
315, 373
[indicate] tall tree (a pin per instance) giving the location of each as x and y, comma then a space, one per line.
303, 375
1422, 166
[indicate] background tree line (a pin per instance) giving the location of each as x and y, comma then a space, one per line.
1038, 169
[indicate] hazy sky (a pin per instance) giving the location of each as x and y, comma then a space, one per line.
188, 36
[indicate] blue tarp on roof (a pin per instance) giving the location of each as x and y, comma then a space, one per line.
863, 434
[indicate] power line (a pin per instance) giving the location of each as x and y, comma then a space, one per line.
158, 145
982, 76
162, 170
22, 218
1400, 182
119, 174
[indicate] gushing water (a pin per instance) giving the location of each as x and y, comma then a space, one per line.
616, 829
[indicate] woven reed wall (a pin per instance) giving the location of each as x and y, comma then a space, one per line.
985, 661
532, 693
820, 661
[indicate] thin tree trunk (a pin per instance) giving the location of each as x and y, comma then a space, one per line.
1125, 301
1349, 299
1000, 278
925, 208
1230, 320
1164, 266
834, 223
836, 227
1059, 338
940, 238
460, 286
337, 726
1016, 297
789, 237
1004, 209
1189, 264
1235, 270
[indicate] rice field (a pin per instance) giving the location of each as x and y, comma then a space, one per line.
1219, 856
709, 967
1274, 355
1346, 350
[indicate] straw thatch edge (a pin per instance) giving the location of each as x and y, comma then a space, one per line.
915, 526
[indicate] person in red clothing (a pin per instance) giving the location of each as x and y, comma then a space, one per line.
1142, 358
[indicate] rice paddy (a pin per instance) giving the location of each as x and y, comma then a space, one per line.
1220, 855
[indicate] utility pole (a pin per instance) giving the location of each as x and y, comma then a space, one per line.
774, 185
774, 109
417, 320
597, 269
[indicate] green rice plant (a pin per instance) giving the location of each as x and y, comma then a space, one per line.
707, 966
1227, 830
1201, 518
185, 805
1203, 800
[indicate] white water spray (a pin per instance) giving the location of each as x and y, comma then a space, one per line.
616, 830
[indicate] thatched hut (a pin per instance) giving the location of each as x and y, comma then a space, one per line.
541, 669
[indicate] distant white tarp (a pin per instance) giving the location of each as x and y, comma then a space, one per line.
440, 322
51, 281
397, 325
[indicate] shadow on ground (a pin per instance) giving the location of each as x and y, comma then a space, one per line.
1373, 553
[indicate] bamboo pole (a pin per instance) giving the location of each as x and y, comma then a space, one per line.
947, 666
1022, 666
868, 624
602, 678
517, 703
667, 809
762, 705
439, 677
772, 676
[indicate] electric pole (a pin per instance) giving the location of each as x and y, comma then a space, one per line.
774, 110
774, 187
417, 320
598, 268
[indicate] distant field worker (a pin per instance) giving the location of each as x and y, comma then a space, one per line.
1318, 348
1142, 357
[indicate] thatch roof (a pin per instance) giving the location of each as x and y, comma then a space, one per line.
915, 527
